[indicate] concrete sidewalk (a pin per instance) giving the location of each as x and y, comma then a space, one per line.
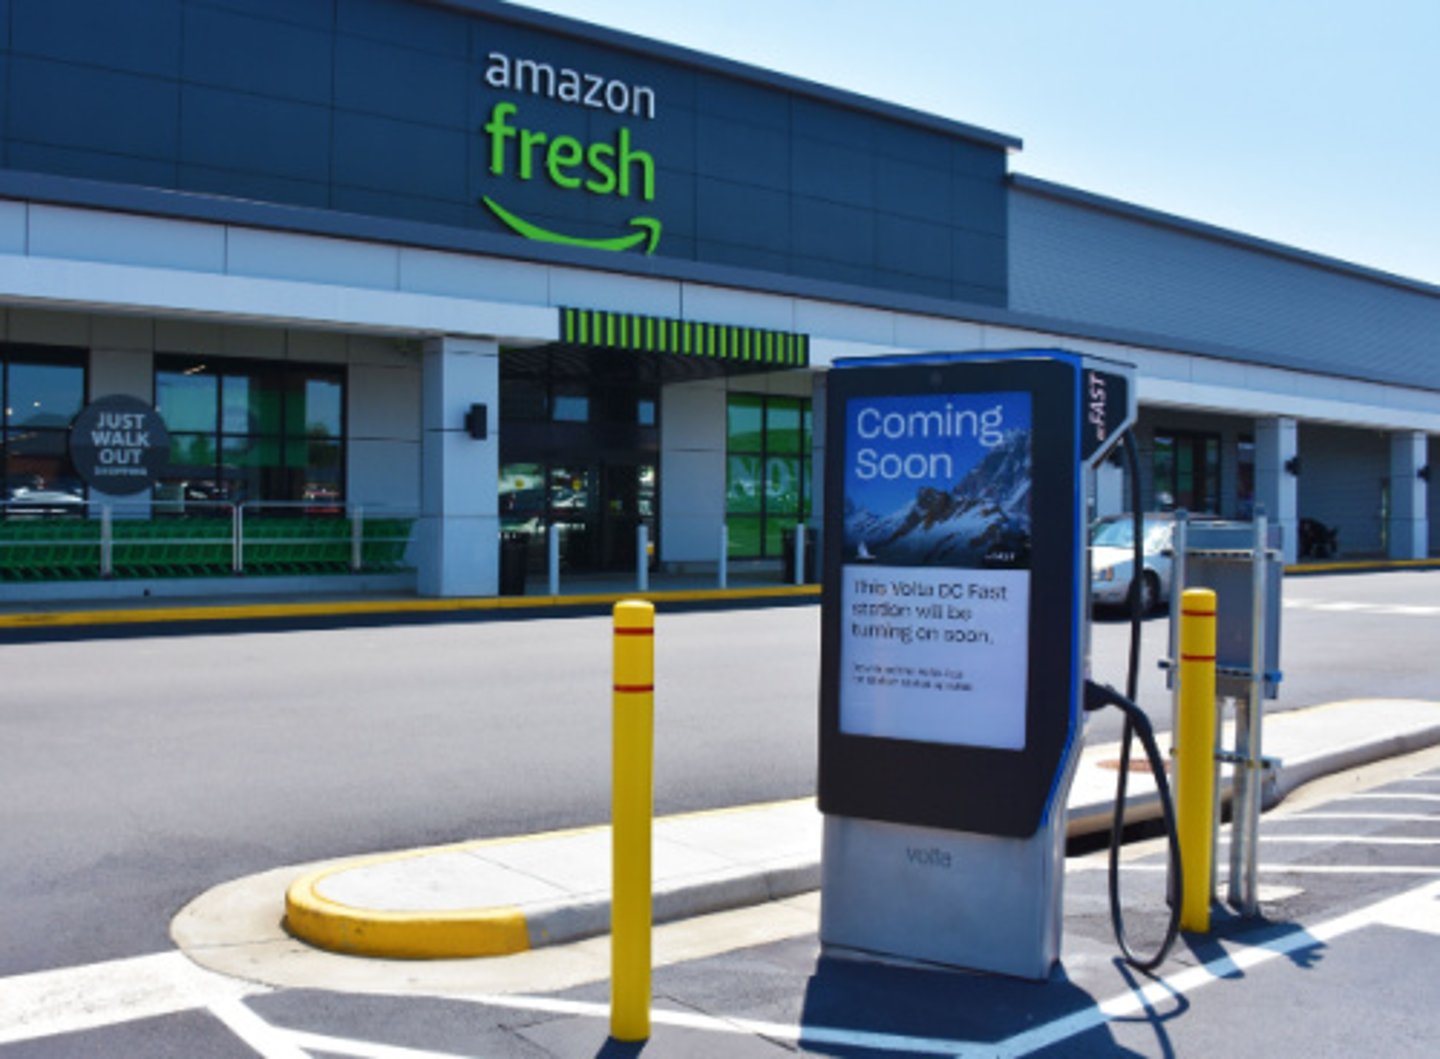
504, 896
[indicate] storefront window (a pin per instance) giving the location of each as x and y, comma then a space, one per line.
767, 488
571, 404
186, 400
1245, 478
42, 390
244, 430
1187, 472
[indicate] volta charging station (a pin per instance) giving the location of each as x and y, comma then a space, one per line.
954, 648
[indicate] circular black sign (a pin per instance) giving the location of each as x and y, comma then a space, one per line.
119, 445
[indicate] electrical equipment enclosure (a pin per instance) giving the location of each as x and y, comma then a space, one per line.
953, 646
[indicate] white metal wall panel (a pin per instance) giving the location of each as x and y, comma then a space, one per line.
1342, 475
1072, 261
125, 239
1434, 495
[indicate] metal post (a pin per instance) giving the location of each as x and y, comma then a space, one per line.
107, 542
1245, 826
554, 558
1179, 543
1218, 787
800, 553
722, 569
642, 558
237, 544
633, 809
1195, 756
357, 538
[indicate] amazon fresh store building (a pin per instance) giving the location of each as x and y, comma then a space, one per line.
442, 267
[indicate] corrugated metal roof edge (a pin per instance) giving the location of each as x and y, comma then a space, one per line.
1146, 215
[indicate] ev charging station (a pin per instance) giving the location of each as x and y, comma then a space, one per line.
954, 647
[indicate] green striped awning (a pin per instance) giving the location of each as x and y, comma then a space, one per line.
658, 334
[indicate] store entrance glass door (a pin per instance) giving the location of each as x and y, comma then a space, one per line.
598, 507
629, 502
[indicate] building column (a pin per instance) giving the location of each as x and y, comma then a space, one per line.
1277, 453
459, 531
1409, 530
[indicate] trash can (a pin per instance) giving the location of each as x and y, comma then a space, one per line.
514, 560
787, 547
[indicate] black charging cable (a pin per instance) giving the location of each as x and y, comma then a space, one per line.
1137, 724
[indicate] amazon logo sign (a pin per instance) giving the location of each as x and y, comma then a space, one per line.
615, 166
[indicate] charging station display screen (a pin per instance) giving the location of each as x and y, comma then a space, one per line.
935, 571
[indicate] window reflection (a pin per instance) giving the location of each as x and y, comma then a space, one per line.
251, 430
42, 389
45, 396
767, 471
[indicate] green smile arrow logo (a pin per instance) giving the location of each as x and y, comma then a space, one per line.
649, 232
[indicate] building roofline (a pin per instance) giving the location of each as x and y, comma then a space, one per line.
82, 193
1158, 218
594, 33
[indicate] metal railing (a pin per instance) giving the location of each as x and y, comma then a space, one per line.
94, 539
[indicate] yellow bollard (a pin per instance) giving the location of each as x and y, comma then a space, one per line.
1195, 755
632, 809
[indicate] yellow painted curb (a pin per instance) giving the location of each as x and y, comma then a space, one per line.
461, 933
453, 934
252, 611
1344, 566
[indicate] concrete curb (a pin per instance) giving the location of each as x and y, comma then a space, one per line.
1295, 774
336, 927
503, 930
700, 890
367, 607
1357, 566
566, 922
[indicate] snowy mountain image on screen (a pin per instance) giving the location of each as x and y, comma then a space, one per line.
982, 521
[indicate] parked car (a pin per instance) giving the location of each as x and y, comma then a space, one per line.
1112, 559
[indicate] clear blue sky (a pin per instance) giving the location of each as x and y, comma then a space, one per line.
1314, 123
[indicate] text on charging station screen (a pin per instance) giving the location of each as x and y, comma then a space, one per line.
935, 579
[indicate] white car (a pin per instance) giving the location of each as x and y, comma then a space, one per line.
1112, 559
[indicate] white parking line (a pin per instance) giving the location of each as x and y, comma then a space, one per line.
320, 1042
1348, 607
1409, 904
1321, 869
1396, 796
1393, 818
1414, 905
72, 999
268, 1041
1268, 837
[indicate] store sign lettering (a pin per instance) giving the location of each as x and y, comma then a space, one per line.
606, 167
119, 445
